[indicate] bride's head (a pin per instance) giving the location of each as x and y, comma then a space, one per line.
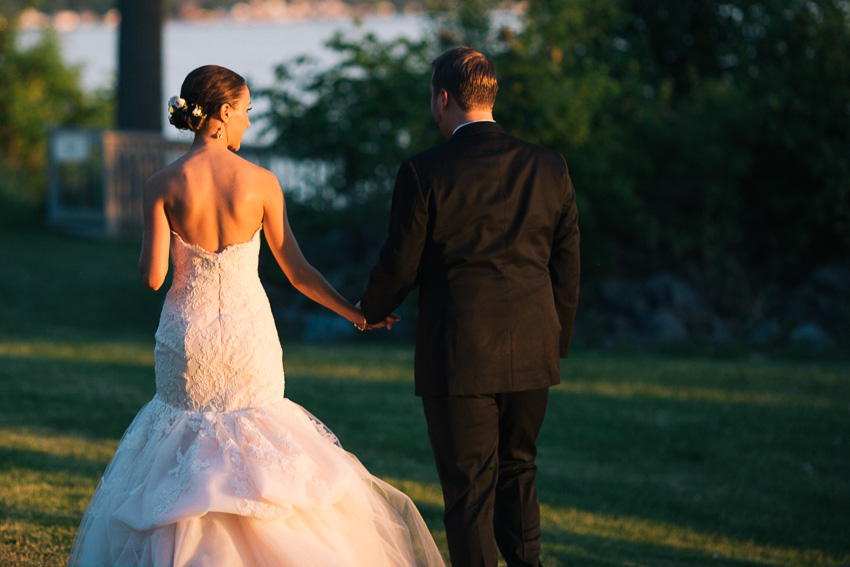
205, 90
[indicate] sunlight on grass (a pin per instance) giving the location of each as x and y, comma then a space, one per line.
686, 393
52, 475
421, 492
49, 443
570, 522
428, 498
46, 481
29, 544
89, 351
334, 371
366, 363
634, 437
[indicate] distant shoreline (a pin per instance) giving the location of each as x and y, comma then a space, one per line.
270, 11
254, 49
240, 13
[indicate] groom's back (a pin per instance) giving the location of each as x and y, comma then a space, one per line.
488, 318
495, 200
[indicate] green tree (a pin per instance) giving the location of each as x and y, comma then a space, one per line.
565, 84
364, 114
746, 139
38, 91
703, 136
461, 22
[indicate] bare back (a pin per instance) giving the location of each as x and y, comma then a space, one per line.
212, 198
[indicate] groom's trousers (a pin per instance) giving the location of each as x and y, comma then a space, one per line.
484, 447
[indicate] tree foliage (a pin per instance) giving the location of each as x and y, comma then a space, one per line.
364, 115
752, 130
38, 91
703, 136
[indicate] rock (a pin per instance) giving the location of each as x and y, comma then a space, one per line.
720, 334
832, 277
824, 300
664, 327
623, 295
666, 290
811, 335
766, 333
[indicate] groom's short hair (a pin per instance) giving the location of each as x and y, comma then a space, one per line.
468, 76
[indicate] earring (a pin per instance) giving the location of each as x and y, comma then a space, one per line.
220, 132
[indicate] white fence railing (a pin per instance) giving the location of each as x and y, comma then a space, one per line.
96, 178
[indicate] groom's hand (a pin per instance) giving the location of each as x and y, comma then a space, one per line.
388, 322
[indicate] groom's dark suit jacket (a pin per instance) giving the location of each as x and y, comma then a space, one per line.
486, 225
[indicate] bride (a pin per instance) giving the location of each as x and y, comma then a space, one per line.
219, 469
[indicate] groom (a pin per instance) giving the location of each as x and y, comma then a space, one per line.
486, 226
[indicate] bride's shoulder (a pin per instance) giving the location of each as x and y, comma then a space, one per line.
165, 178
256, 175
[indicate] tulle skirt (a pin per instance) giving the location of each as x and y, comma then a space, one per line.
252, 487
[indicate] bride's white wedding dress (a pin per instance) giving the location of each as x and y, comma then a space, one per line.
219, 469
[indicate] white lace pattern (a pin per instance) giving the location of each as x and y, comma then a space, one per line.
215, 307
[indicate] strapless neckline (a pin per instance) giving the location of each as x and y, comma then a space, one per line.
203, 250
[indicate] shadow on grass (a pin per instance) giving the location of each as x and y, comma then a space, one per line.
41, 518
72, 398
753, 455
605, 551
758, 467
59, 404
45, 462
743, 464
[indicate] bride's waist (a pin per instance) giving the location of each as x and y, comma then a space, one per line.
194, 397
187, 300
184, 318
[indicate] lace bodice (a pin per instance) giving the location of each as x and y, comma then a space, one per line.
217, 348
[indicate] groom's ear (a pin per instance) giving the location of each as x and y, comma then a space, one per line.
443, 98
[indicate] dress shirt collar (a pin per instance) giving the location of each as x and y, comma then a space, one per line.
470, 122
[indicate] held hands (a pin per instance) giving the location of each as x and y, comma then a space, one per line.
362, 325
388, 323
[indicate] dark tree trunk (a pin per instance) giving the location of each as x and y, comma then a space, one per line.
140, 65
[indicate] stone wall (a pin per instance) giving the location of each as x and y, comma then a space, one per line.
665, 310
662, 311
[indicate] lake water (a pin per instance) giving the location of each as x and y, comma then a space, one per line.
252, 49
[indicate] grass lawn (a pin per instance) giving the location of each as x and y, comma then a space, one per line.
645, 460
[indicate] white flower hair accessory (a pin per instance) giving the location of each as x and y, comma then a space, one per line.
177, 104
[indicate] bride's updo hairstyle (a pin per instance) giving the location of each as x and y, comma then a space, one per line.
204, 91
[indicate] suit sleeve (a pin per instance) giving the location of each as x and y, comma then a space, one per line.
564, 266
395, 274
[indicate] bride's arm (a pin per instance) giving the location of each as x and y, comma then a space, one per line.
298, 270
153, 260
